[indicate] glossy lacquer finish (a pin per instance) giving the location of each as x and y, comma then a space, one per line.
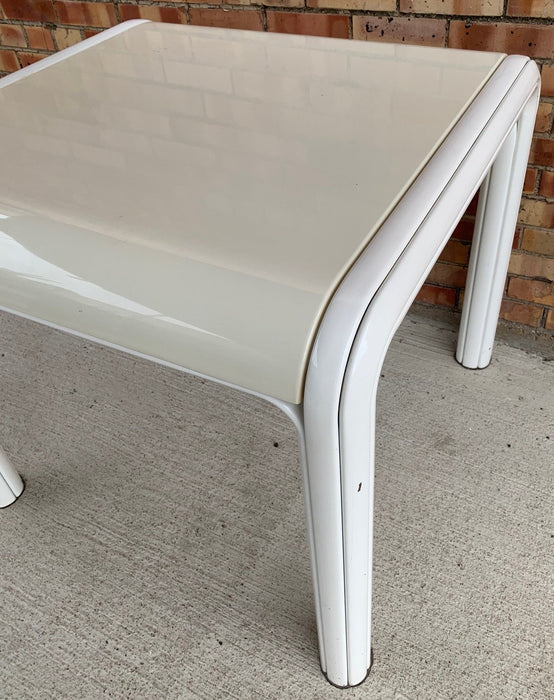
196, 194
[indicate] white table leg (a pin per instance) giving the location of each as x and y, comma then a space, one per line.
11, 484
345, 365
339, 428
339, 438
492, 243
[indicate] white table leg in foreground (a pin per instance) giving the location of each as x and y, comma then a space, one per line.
345, 364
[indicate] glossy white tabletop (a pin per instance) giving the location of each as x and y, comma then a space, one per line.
197, 194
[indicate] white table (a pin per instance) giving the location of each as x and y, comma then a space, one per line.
262, 209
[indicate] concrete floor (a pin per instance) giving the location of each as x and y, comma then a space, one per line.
159, 549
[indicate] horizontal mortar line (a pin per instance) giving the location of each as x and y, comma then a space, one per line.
531, 21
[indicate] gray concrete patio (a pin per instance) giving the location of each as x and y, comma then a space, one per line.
159, 548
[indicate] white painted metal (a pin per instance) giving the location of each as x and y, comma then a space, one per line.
339, 401
11, 484
490, 252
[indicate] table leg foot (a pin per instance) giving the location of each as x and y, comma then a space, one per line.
11, 484
344, 687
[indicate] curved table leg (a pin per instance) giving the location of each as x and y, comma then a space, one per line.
11, 484
339, 423
341, 387
339, 437
490, 251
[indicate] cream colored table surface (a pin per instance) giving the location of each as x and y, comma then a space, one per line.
197, 194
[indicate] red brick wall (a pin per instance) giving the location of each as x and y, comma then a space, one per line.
31, 29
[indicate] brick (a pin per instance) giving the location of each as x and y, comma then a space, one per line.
308, 23
8, 61
547, 81
530, 8
87, 33
86, 14
67, 37
538, 241
40, 38
521, 313
544, 113
464, 230
448, 275
536, 213
535, 291
527, 265
155, 14
233, 19
12, 35
364, 5
472, 206
27, 58
489, 8
408, 30
455, 252
282, 3
438, 296
542, 152
536, 41
549, 325
461, 296
530, 180
546, 188
29, 10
